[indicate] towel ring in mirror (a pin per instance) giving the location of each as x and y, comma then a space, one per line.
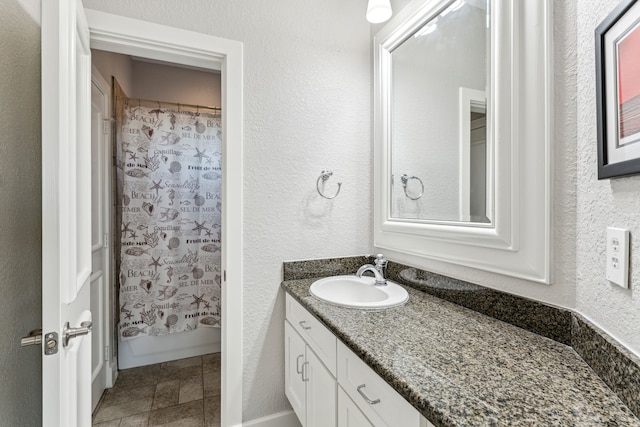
405, 179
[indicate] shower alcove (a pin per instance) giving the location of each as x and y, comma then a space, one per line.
151, 86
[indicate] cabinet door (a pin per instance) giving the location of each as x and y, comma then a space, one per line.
294, 350
348, 413
321, 393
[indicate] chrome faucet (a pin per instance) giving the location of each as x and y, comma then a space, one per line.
377, 270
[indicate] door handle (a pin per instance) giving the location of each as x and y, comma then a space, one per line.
34, 338
68, 333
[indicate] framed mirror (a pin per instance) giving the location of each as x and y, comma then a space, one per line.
462, 127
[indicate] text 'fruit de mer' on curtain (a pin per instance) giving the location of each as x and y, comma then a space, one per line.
169, 172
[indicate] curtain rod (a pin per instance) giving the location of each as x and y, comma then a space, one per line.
179, 104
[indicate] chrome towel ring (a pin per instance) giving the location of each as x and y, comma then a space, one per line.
324, 176
405, 179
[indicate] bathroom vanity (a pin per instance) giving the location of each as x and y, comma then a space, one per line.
432, 362
326, 381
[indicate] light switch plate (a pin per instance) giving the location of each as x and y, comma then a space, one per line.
618, 256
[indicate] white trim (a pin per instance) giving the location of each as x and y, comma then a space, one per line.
144, 39
519, 123
281, 419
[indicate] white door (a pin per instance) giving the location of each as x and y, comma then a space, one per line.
100, 178
320, 393
66, 214
294, 386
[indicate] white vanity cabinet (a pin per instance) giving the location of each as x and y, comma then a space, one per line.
328, 385
310, 384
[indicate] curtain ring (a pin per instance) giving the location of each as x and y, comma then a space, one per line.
324, 176
405, 179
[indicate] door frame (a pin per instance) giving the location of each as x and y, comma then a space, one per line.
134, 37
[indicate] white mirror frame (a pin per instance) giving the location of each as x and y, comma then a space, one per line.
519, 125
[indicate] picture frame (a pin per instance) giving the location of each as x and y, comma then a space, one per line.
617, 43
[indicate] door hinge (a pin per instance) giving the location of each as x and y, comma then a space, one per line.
107, 356
106, 126
105, 241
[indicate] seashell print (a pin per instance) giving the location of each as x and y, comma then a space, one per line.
142, 227
172, 319
148, 208
132, 331
145, 285
199, 200
123, 279
200, 128
183, 277
211, 175
135, 251
174, 242
187, 128
142, 150
126, 200
185, 203
198, 273
210, 248
169, 215
147, 131
170, 139
175, 167
136, 173
210, 321
167, 292
165, 159
161, 314
163, 235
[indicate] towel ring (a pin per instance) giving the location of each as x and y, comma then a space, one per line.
324, 176
405, 179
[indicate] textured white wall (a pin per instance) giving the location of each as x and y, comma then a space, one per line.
20, 217
175, 84
307, 103
113, 64
602, 204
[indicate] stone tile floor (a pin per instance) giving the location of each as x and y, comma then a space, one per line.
180, 393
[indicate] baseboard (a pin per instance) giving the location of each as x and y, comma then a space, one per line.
281, 419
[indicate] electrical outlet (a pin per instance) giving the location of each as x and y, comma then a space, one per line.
618, 256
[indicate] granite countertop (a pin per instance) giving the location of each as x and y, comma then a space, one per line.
459, 367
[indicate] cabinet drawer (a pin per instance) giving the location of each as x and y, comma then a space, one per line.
319, 338
377, 400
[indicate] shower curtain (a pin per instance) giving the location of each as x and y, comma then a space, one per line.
169, 185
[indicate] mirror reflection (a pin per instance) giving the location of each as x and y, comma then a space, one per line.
440, 155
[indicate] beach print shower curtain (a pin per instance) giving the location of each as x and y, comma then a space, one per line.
169, 184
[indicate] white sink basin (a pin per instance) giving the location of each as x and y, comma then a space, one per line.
358, 292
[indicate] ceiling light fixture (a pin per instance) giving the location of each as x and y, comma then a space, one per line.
378, 11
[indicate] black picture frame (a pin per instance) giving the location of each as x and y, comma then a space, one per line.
606, 168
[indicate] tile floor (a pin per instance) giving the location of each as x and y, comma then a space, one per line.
180, 393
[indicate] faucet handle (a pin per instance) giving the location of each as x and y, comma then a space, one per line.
380, 260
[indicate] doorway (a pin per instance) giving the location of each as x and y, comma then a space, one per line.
160, 43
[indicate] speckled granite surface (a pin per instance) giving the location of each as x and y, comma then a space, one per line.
462, 368
545, 320
616, 365
292, 270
